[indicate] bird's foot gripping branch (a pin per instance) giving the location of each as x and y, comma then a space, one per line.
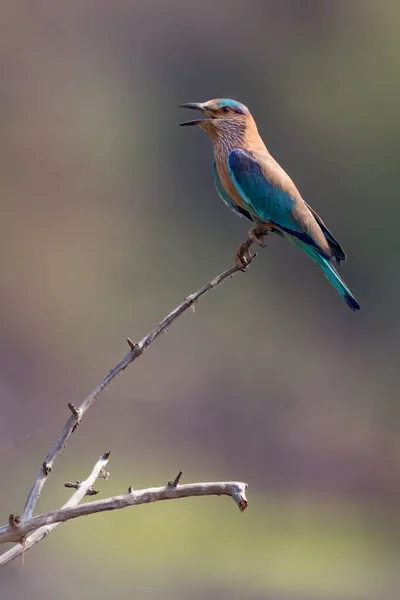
256, 235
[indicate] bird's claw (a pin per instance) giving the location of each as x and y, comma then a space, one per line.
257, 235
243, 256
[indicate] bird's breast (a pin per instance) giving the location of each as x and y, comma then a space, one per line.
221, 161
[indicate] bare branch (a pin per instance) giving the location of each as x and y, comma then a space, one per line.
25, 543
234, 489
136, 350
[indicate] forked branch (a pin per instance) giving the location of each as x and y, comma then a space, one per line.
27, 530
18, 529
28, 533
136, 350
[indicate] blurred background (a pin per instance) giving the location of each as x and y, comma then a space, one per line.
110, 218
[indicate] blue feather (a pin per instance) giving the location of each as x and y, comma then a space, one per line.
332, 275
238, 210
269, 202
238, 107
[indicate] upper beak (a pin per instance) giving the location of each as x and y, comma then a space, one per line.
193, 106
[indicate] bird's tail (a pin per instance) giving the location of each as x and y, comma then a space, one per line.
333, 276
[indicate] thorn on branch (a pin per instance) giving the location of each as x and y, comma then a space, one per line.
14, 520
46, 468
176, 481
75, 410
132, 345
75, 485
130, 490
90, 491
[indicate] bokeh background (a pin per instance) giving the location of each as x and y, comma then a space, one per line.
109, 218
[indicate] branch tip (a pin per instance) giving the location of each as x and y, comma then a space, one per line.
239, 496
106, 455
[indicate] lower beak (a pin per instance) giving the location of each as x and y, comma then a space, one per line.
194, 122
192, 106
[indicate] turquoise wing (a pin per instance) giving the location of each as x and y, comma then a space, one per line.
269, 202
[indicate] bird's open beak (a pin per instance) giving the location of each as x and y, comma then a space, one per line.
193, 106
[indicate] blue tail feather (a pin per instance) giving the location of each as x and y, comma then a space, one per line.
333, 276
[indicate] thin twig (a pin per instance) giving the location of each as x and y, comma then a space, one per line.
136, 350
27, 541
234, 489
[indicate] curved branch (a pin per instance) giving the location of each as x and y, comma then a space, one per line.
234, 489
136, 350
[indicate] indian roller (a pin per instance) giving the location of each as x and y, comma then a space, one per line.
254, 186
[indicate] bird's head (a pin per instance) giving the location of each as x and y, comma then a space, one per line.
222, 116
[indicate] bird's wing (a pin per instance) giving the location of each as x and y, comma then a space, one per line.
271, 203
334, 245
238, 210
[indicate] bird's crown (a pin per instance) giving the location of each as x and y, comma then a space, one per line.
225, 105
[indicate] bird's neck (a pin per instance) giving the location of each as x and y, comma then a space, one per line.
230, 136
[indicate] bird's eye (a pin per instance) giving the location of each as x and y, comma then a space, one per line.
225, 109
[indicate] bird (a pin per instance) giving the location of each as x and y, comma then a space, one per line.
254, 186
